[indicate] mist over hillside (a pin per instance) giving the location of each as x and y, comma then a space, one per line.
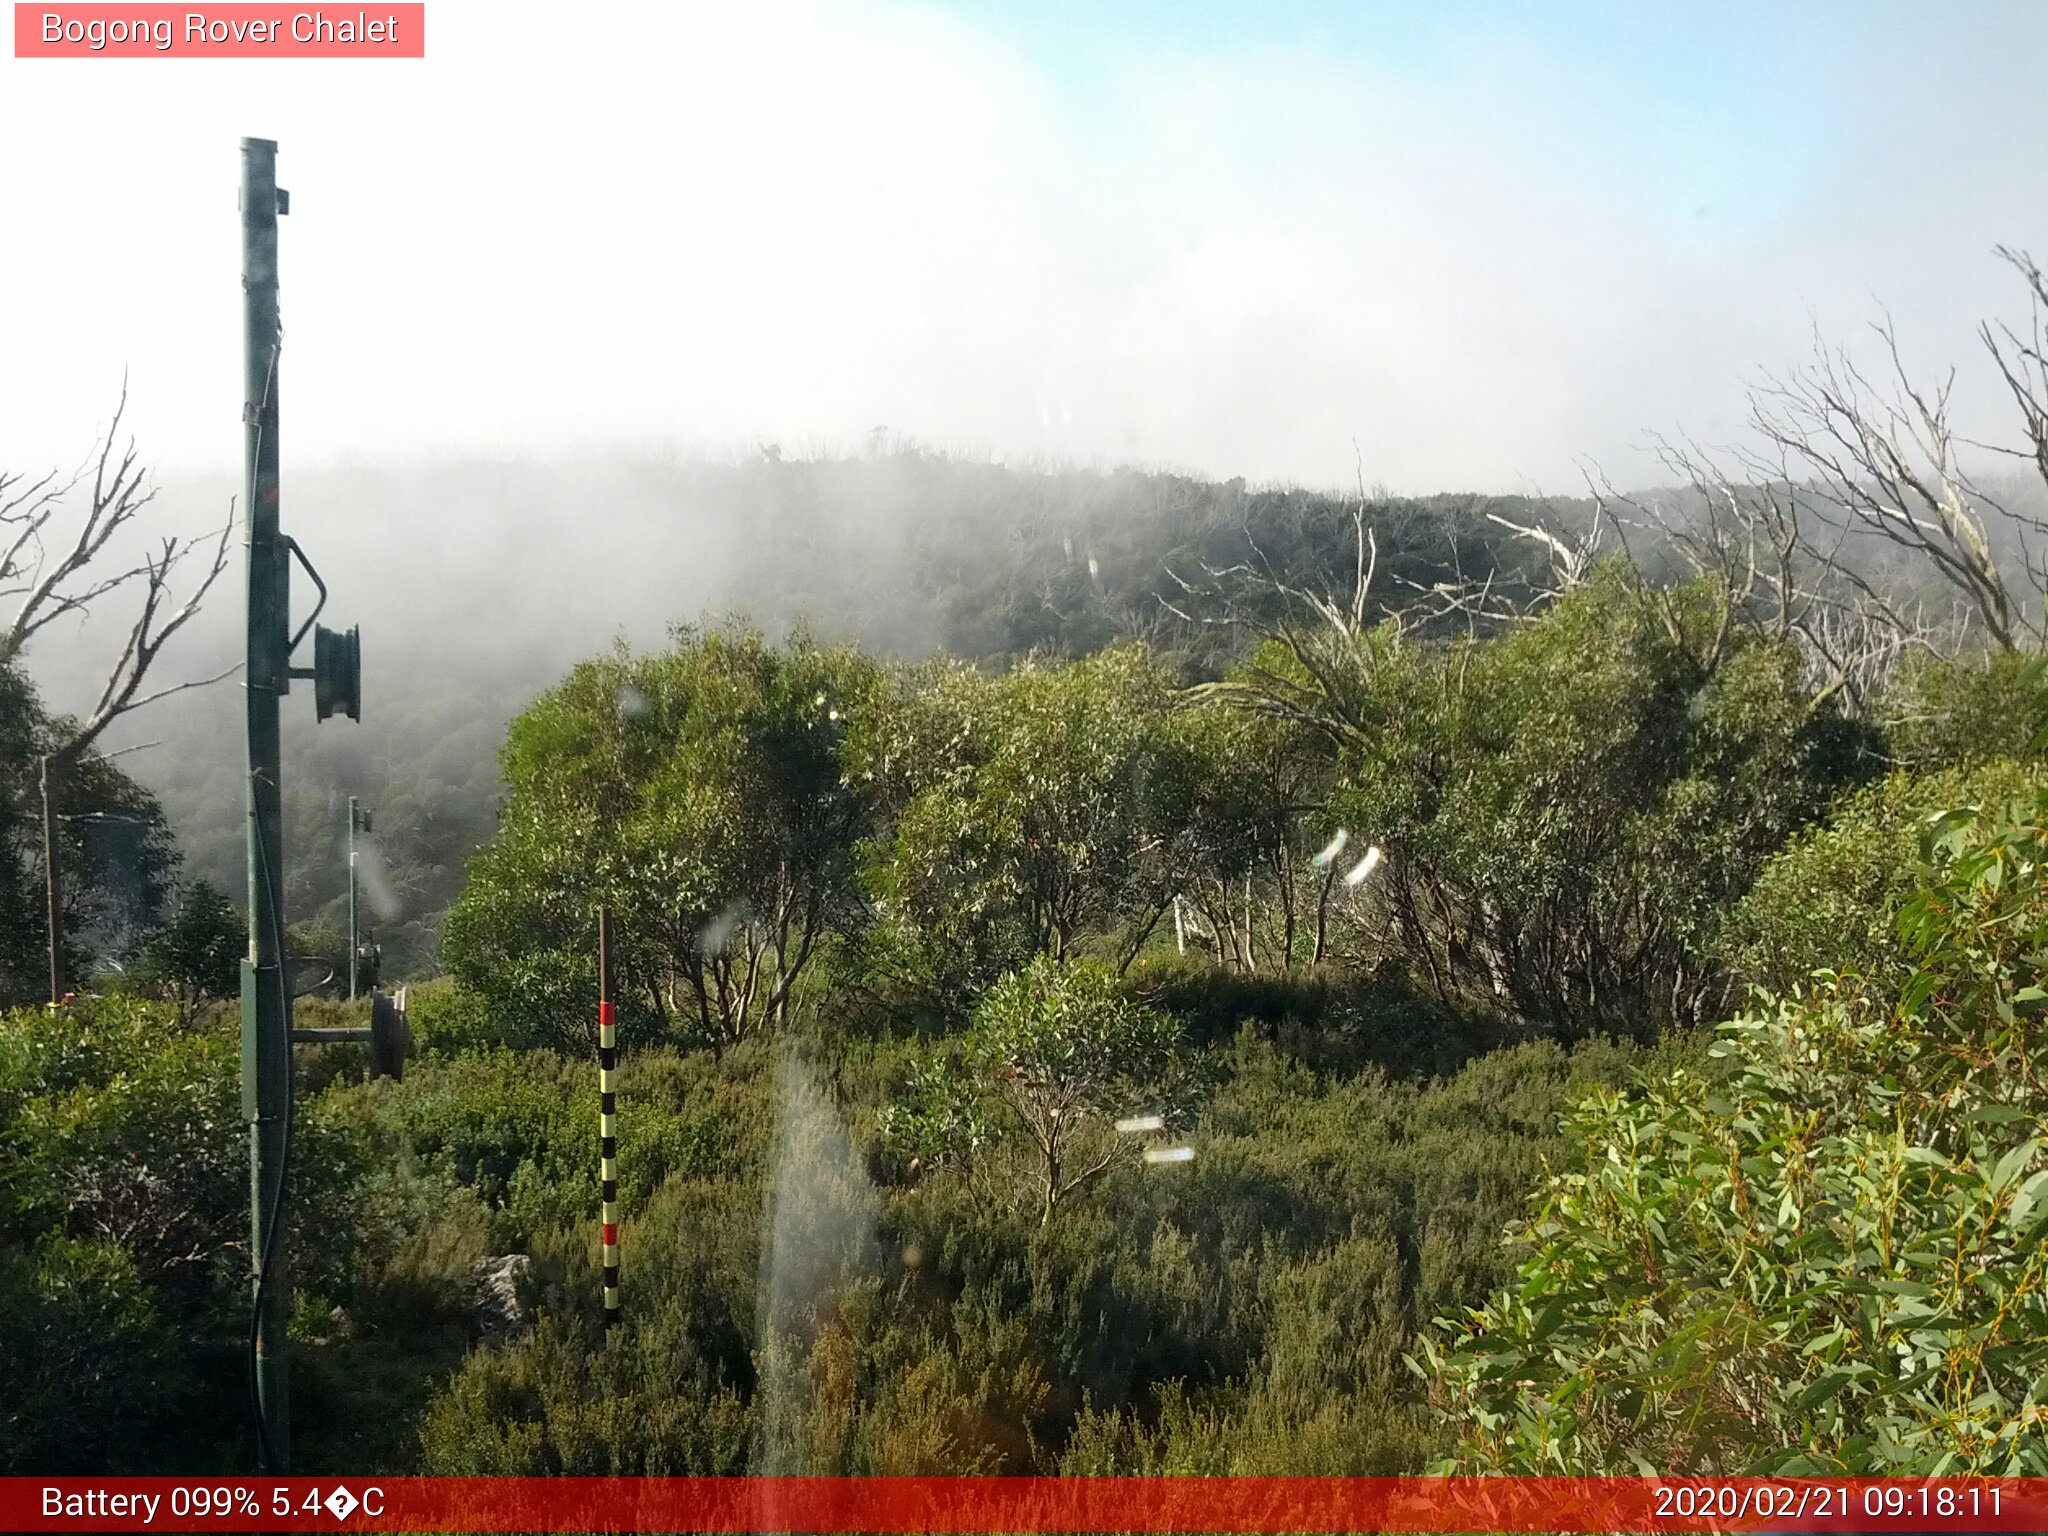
479, 584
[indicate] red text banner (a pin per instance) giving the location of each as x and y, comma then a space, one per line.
1023, 1504
377, 31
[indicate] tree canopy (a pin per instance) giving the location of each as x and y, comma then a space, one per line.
701, 789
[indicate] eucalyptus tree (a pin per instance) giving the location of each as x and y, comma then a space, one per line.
701, 793
1027, 812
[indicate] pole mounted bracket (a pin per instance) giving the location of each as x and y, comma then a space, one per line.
337, 670
389, 1036
292, 547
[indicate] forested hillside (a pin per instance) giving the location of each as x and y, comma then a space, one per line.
1115, 974
905, 553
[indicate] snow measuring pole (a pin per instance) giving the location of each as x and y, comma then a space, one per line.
336, 675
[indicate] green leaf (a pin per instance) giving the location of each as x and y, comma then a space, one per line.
2010, 1165
1830, 1385
2026, 1201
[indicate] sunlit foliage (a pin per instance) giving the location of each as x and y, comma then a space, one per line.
700, 790
1824, 1255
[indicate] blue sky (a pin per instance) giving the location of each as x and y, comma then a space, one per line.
1487, 243
1729, 92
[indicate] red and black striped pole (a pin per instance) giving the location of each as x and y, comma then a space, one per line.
607, 1114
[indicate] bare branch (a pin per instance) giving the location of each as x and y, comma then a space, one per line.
47, 578
1885, 462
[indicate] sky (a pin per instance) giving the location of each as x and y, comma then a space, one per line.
1455, 247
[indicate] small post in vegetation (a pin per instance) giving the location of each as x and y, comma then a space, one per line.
607, 1111
53, 897
358, 821
355, 939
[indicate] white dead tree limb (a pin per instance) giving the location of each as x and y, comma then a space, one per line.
1884, 461
1773, 569
60, 554
1571, 560
2022, 360
1329, 634
1485, 604
1848, 475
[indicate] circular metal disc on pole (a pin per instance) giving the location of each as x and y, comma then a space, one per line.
338, 672
390, 1036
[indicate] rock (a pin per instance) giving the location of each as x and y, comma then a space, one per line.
504, 1296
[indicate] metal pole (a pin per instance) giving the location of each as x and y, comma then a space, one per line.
53, 898
607, 1112
266, 1042
355, 943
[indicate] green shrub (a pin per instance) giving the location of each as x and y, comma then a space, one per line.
1058, 1051
1940, 713
1567, 810
95, 1374
1330, 1020
702, 792
447, 1019
1825, 1255
122, 1124
554, 1405
519, 1128
1829, 899
124, 1186
1239, 1312
198, 954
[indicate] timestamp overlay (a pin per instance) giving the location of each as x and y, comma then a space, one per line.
1024, 1504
